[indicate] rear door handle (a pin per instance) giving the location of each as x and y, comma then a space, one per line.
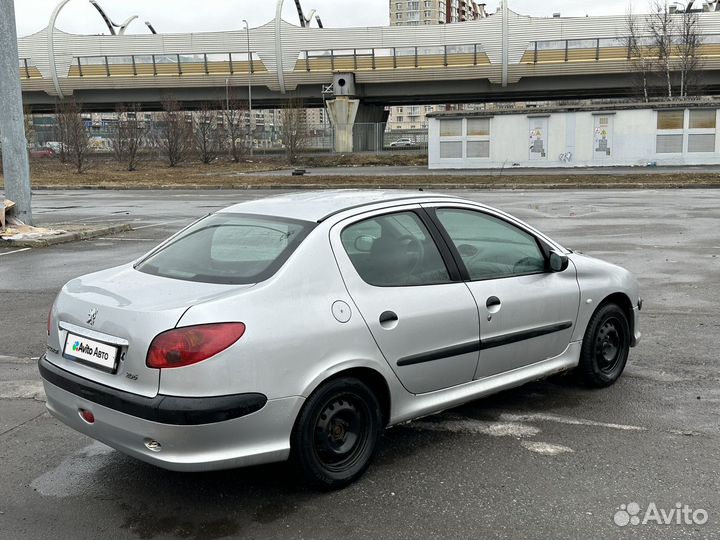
388, 317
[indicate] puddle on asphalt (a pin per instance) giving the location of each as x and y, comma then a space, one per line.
77, 474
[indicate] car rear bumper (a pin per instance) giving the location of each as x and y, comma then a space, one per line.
232, 440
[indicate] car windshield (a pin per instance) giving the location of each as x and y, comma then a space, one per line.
228, 248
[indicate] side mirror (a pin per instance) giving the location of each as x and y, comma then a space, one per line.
558, 262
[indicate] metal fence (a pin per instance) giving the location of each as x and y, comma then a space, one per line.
267, 138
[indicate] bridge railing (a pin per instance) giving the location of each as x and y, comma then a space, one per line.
391, 58
166, 64
599, 49
28, 69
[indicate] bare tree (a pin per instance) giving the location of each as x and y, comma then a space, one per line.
61, 131
175, 133
293, 129
662, 27
675, 37
638, 53
75, 139
688, 51
30, 134
128, 136
208, 134
233, 114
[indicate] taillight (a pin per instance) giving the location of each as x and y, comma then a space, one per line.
192, 344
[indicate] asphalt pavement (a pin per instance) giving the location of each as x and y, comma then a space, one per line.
547, 460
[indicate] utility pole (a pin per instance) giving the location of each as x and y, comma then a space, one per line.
250, 74
16, 168
505, 41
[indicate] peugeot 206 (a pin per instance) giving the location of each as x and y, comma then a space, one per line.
302, 325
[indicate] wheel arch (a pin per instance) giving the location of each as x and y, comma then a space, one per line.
375, 380
623, 301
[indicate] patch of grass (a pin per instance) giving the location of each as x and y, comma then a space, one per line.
110, 175
400, 159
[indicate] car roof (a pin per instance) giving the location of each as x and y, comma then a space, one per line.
320, 205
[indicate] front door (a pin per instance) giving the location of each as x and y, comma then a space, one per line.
527, 312
424, 320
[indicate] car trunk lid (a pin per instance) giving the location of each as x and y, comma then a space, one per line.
122, 310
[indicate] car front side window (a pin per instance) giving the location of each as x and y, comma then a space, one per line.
489, 247
394, 250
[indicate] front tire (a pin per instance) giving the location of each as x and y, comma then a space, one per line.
336, 433
605, 347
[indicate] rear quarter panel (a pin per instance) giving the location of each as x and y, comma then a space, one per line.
292, 340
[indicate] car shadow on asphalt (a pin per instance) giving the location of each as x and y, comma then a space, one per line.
154, 502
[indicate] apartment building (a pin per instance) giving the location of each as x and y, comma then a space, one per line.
421, 12
417, 12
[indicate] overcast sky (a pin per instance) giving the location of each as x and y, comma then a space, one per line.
208, 15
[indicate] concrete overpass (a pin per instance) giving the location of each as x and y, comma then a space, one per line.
506, 56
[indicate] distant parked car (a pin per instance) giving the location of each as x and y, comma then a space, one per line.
42, 153
403, 143
55, 146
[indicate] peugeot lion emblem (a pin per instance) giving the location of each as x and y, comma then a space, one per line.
92, 314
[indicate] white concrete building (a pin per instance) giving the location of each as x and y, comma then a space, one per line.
582, 136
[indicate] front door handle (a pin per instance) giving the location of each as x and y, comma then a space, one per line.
388, 317
493, 301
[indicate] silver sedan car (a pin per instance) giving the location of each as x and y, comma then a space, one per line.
300, 326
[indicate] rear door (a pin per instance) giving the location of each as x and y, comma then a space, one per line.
423, 318
527, 312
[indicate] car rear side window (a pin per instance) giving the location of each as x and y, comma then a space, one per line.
228, 248
394, 250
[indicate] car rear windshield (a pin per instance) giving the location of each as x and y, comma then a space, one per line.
228, 248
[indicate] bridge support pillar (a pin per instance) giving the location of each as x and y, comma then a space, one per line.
359, 127
343, 111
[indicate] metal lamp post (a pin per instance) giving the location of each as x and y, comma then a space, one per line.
250, 74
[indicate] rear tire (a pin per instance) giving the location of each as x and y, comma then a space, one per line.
336, 433
605, 347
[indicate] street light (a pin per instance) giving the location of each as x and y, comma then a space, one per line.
250, 74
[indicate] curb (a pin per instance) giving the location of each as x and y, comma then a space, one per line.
399, 185
66, 237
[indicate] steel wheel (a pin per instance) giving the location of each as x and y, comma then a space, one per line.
341, 432
336, 433
609, 345
605, 346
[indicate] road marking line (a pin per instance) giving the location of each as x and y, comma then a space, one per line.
16, 251
529, 417
22, 390
157, 224
480, 427
546, 449
130, 239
